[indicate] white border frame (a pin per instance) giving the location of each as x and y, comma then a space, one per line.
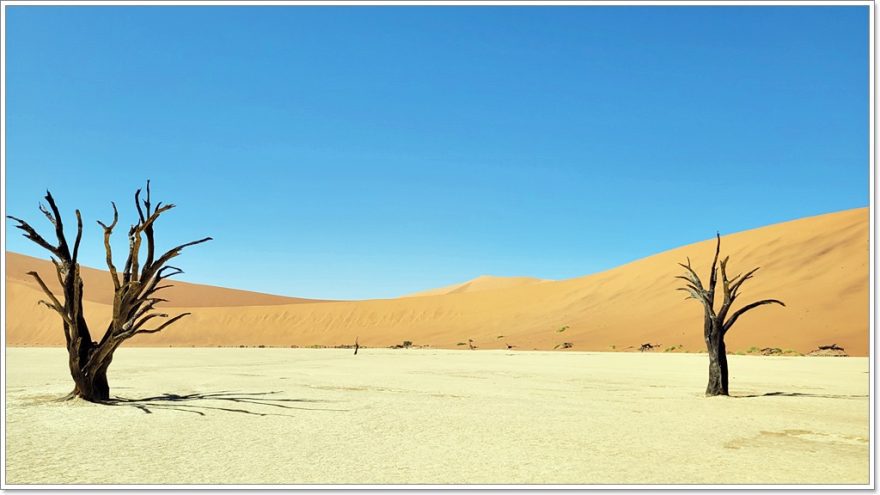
499, 3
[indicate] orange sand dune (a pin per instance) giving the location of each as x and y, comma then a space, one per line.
98, 287
818, 266
481, 283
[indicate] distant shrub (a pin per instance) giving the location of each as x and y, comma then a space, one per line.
461, 343
562, 329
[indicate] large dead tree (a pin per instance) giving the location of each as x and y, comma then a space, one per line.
716, 323
134, 301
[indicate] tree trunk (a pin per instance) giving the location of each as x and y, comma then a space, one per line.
90, 382
93, 388
717, 366
98, 390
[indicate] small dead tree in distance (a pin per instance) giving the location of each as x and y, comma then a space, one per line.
716, 324
134, 298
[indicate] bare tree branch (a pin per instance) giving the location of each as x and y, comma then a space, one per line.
725, 289
748, 308
693, 275
148, 230
79, 233
48, 215
137, 203
713, 275
695, 287
735, 285
59, 229
108, 230
170, 254
164, 325
140, 323
32, 234
57, 305
59, 271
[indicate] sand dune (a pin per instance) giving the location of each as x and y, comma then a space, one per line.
481, 283
98, 287
818, 266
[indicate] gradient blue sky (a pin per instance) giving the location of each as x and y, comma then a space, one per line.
347, 153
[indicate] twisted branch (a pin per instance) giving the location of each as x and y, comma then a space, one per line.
108, 230
56, 305
748, 308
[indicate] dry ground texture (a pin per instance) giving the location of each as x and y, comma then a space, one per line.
281, 416
817, 265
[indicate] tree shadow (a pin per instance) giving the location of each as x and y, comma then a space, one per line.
801, 394
200, 403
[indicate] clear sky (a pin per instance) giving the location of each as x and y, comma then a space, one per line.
367, 152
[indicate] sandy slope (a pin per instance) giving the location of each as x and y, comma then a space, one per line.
481, 283
438, 416
98, 287
818, 266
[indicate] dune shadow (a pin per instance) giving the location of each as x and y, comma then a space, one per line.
801, 394
201, 403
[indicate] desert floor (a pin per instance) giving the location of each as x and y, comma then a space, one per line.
251, 416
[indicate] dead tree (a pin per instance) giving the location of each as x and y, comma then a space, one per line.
716, 324
356, 346
134, 301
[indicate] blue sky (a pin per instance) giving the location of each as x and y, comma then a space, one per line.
351, 153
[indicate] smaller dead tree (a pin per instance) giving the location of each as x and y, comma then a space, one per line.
716, 322
356, 346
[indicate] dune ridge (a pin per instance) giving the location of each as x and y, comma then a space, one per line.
817, 265
481, 283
